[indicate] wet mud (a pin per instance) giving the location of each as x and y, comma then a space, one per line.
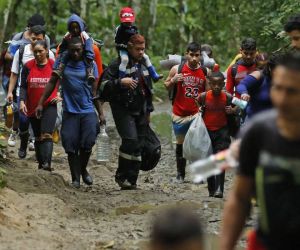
40, 210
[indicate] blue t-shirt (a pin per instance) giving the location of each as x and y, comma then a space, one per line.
77, 94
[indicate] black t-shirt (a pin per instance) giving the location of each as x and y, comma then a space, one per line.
274, 162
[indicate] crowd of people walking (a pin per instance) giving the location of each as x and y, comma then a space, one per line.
264, 132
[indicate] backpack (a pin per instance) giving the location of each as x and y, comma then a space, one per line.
173, 90
151, 150
233, 120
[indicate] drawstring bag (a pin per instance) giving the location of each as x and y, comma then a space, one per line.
197, 143
151, 150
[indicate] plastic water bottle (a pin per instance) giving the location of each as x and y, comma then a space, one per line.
240, 103
9, 116
2, 96
103, 146
213, 165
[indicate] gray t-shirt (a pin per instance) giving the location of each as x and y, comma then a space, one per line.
274, 162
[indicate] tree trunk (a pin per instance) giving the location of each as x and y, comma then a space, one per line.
10, 19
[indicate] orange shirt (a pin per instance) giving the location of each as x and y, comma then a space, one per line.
214, 112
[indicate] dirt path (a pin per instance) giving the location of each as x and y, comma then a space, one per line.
39, 210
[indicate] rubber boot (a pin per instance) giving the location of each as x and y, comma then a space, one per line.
180, 163
23, 144
37, 147
133, 173
84, 159
46, 148
152, 72
220, 179
125, 177
74, 163
211, 186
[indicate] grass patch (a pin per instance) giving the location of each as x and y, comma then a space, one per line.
162, 125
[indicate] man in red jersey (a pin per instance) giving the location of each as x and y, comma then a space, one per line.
188, 80
238, 71
242, 67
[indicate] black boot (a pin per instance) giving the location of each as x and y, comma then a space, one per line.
84, 159
37, 148
46, 148
126, 174
23, 144
75, 168
133, 173
211, 186
220, 179
181, 163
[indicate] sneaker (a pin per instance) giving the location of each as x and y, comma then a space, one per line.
12, 139
31, 145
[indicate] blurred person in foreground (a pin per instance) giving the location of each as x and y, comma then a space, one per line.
269, 162
177, 229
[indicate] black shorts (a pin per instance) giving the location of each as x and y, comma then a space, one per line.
79, 131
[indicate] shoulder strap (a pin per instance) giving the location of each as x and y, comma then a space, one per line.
204, 69
21, 53
203, 98
180, 67
228, 99
234, 70
173, 90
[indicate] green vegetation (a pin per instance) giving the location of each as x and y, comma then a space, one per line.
168, 25
162, 125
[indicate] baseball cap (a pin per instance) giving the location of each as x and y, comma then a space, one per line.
127, 15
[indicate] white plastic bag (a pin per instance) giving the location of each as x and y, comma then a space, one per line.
197, 144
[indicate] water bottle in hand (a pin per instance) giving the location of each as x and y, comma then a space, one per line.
103, 146
213, 165
239, 102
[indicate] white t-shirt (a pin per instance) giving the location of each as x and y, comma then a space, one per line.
27, 56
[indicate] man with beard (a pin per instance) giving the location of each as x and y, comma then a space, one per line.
187, 81
292, 28
269, 162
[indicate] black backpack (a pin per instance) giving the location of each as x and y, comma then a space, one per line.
233, 119
173, 90
151, 150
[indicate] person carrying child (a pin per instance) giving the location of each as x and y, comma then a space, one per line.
216, 109
76, 28
123, 33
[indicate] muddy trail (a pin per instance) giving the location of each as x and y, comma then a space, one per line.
40, 210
